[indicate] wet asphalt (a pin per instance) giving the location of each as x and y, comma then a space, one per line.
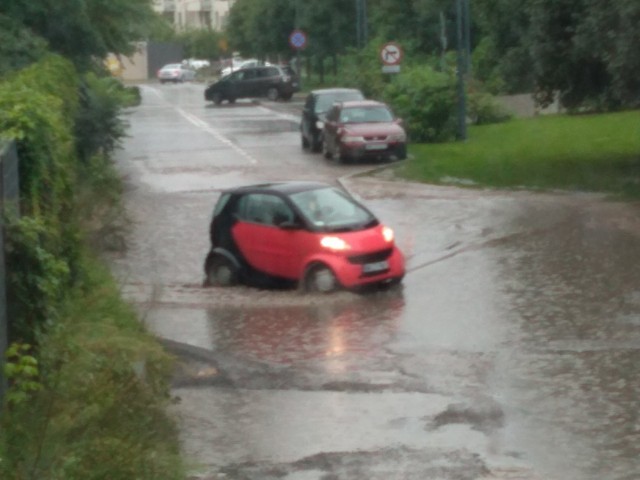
511, 351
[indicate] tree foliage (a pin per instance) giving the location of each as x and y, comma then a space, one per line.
582, 51
82, 30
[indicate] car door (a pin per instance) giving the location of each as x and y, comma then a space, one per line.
268, 77
247, 87
263, 243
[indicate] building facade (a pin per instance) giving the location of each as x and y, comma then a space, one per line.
195, 14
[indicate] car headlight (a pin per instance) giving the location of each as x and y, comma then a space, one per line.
319, 125
334, 243
352, 139
398, 137
387, 234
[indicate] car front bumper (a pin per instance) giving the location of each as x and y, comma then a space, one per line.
359, 271
372, 150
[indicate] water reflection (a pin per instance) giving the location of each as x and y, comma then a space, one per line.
329, 329
573, 382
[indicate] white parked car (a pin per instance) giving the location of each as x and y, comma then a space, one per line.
176, 72
197, 64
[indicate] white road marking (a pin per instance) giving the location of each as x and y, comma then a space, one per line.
204, 126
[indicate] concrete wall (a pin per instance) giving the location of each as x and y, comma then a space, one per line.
523, 105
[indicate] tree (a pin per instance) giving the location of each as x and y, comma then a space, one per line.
503, 58
83, 30
586, 51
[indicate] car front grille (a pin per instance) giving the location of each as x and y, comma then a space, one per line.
370, 257
375, 138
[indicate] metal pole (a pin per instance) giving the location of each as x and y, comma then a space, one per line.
462, 107
298, 65
467, 35
365, 32
358, 25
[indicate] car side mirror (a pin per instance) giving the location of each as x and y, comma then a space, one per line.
289, 225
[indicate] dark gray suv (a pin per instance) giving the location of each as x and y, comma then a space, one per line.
316, 106
274, 82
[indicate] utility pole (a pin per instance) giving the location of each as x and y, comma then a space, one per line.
361, 23
466, 15
462, 106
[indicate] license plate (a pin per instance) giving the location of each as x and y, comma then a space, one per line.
375, 267
376, 146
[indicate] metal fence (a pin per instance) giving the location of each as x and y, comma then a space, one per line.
9, 196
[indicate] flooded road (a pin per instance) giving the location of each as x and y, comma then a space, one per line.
512, 350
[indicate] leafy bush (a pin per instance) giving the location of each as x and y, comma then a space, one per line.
482, 108
37, 107
99, 126
426, 100
361, 69
99, 407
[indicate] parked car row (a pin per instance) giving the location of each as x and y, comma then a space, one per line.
342, 124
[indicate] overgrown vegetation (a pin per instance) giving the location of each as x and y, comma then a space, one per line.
97, 408
88, 386
599, 153
582, 52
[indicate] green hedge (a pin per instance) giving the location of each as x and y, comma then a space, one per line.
88, 386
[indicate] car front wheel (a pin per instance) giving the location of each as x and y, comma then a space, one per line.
317, 142
216, 98
320, 279
273, 94
326, 151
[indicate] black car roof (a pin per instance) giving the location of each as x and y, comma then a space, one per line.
286, 188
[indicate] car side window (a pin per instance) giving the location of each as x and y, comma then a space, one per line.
264, 209
271, 72
249, 74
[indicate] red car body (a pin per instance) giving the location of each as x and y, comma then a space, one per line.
363, 129
267, 231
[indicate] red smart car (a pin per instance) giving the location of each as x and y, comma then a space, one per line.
305, 233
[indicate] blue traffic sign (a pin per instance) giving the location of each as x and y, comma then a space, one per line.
298, 39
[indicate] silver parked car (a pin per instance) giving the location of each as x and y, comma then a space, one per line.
176, 72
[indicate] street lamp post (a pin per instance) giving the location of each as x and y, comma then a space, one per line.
462, 106
361, 23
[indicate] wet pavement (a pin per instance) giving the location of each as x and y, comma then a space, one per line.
512, 350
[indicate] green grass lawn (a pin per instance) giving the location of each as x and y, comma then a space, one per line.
599, 153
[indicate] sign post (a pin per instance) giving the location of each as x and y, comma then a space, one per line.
298, 41
391, 55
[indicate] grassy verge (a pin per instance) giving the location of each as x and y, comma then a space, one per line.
99, 411
599, 153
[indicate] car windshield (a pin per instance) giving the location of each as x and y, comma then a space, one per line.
325, 101
330, 209
365, 115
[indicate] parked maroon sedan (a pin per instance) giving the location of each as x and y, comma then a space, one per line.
363, 129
